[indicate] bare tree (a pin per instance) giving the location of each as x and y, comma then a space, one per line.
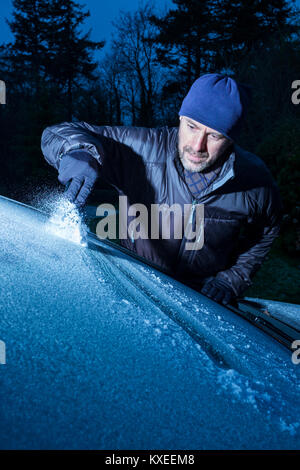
111, 83
134, 51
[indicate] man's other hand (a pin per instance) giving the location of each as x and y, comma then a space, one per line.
80, 170
219, 291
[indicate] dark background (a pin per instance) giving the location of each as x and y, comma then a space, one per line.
54, 71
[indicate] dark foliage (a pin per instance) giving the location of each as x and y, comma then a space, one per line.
51, 77
48, 70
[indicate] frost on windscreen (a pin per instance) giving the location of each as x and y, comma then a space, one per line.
65, 221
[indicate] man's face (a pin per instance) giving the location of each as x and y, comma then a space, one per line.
199, 146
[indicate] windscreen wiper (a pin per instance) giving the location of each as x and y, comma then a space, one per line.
283, 332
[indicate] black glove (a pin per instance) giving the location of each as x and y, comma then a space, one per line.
219, 291
81, 170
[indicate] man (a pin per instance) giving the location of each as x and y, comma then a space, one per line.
199, 163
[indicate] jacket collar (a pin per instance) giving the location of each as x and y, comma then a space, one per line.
227, 172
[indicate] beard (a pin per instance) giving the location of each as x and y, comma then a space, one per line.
195, 167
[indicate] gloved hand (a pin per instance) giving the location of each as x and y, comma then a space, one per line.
81, 170
219, 291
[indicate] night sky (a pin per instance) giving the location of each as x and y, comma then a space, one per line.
103, 12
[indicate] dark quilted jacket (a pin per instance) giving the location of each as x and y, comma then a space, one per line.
241, 207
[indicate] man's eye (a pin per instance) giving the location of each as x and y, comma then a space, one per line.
215, 136
191, 126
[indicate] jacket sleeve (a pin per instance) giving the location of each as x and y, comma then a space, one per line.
108, 144
256, 242
60, 139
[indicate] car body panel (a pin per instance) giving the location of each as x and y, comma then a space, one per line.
105, 352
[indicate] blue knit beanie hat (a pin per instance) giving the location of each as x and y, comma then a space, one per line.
216, 101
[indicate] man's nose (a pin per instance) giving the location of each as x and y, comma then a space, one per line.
199, 142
